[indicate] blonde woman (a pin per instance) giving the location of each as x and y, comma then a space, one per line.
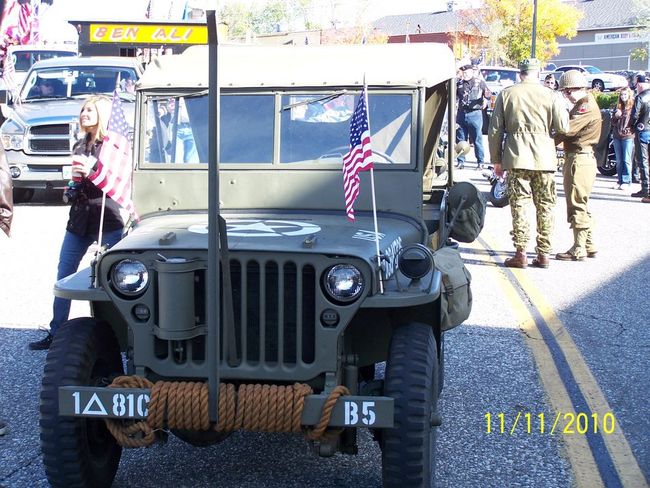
86, 199
623, 135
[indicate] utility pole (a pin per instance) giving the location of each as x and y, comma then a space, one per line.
532, 48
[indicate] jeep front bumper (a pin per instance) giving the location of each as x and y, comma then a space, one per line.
132, 403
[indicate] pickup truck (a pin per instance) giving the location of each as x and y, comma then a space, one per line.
41, 128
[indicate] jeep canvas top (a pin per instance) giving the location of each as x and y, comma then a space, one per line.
243, 294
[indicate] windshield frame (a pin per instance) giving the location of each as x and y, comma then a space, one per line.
276, 164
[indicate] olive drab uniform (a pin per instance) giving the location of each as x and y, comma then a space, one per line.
580, 171
525, 115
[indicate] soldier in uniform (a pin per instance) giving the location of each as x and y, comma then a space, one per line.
580, 162
520, 138
472, 97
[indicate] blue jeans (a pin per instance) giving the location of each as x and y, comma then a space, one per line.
624, 149
72, 251
471, 128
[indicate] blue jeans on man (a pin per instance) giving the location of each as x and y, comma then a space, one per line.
72, 252
624, 149
471, 129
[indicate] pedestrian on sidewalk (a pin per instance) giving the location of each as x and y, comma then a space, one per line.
623, 137
641, 124
472, 95
520, 140
83, 225
580, 163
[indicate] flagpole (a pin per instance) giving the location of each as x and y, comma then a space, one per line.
372, 189
99, 235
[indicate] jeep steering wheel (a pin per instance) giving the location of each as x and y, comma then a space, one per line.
340, 151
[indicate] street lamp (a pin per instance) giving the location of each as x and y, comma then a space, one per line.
532, 48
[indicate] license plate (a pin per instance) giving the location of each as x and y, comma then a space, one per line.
119, 403
67, 172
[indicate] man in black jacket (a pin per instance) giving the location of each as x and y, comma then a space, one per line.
641, 124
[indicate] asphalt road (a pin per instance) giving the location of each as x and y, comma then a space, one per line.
492, 366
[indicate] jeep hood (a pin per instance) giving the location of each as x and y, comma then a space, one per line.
326, 233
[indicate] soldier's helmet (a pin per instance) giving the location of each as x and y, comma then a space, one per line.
572, 79
530, 64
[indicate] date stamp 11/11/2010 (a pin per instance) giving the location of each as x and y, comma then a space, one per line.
566, 423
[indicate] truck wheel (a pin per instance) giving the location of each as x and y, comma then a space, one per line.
408, 450
79, 452
23, 195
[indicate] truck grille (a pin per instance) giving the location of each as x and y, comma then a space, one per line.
50, 139
47, 145
50, 130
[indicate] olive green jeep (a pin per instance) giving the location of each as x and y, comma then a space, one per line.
243, 298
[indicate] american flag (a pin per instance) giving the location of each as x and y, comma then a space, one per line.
113, 174
25, 22
9, 71
359, 158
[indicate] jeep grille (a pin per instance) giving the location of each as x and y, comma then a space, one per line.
267, 295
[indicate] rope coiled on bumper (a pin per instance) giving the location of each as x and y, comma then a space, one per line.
184, 405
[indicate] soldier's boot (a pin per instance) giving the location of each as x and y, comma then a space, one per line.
590, 246
519, 260
577, 251
541, 261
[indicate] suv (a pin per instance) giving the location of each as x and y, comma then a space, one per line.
598, 79
41, 128
244, 298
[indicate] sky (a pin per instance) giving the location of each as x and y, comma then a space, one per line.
134, 9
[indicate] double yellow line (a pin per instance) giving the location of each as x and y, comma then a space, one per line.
581, 457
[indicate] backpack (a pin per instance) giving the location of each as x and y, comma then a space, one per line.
456, 294
470, 220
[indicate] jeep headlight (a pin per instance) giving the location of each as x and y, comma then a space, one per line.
130, 277
343, 283
12, 141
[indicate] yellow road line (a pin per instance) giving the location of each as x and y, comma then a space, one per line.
627, 467
583, 464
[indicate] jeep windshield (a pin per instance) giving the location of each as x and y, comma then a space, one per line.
48, 83
288, 129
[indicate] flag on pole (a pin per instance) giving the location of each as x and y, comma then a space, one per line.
25, 16
9, 71
359, 158
114, 164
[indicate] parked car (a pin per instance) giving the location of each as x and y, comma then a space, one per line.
40, 130
598, 79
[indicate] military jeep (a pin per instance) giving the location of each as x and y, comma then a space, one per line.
243, 298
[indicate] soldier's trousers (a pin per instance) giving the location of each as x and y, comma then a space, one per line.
525, 185
579, 177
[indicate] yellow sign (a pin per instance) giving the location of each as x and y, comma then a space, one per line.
149, 34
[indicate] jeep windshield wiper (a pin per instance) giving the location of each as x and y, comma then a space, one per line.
326, 98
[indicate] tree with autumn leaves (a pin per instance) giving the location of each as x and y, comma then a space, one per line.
505, 29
